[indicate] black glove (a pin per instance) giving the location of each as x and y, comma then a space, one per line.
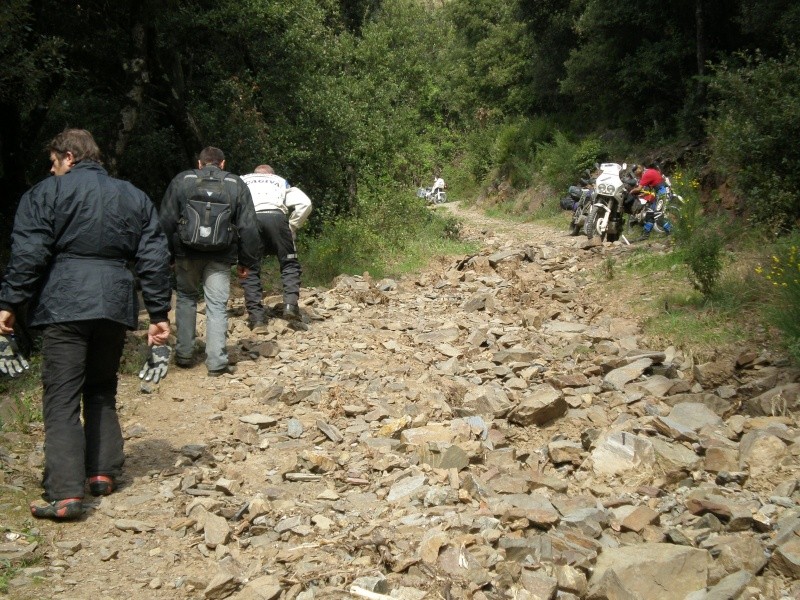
155, 369
12, 363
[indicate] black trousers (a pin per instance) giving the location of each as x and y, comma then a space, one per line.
276, 236
80, 360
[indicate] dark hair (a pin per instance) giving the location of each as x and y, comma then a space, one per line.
211, 156
78, 141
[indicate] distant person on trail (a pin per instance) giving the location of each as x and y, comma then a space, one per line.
208, 217
438, 185
280, 211
74, 236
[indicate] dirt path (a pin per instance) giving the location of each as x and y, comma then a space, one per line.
325, 458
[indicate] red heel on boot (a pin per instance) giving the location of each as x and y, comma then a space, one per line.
101, 485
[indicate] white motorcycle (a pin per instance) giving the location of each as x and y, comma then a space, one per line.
431, 197
606, 216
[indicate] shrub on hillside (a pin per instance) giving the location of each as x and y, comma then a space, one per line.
753, 128
702, 253
783, 273
515, 147
561, 161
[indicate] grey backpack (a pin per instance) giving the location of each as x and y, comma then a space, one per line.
206, 222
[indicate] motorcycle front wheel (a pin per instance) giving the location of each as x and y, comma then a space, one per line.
591, 224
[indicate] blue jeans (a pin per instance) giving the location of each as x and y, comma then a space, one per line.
215, 278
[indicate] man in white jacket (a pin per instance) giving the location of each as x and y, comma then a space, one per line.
281, 210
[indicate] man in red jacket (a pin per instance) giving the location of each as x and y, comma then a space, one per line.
650, 185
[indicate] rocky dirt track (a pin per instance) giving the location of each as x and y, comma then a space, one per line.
485, 429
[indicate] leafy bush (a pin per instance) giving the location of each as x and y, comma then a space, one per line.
391, 227
561, 161
755, 120
515, 148
783, 273
703, 255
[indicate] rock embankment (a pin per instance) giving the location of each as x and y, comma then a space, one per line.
480, 430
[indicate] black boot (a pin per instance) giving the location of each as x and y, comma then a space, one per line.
291, 312
252, 323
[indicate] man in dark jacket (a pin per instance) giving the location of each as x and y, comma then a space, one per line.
211, 268
74, 235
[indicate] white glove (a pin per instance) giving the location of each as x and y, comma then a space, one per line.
12, 363
155, 369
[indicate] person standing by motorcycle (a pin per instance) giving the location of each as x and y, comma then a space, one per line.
438, 186
651, 183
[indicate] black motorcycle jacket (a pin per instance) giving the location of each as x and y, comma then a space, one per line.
73, 241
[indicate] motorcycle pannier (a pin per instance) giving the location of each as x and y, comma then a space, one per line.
206, 221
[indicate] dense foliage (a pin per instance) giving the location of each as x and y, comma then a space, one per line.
360, 102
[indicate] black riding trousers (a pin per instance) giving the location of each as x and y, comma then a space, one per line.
80, 362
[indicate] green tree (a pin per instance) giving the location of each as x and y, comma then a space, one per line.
755, 119
633, 65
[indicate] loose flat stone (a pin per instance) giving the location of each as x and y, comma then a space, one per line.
406, 487
133, 525
617, 378
330, 431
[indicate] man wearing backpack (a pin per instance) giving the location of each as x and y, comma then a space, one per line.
281, 210
208, 216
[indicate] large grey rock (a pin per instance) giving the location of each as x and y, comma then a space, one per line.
540, 405
760, 451
730, 587
672, 457
786, 559
694, 415
616, 379
489, 400
405, 488
621, 451
649, 571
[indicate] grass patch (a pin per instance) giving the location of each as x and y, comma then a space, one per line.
439, 240
676, 313
688, 321
397, 241
644, 262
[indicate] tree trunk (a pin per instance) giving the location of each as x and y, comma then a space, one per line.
702, 44
138, 68
177, 105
